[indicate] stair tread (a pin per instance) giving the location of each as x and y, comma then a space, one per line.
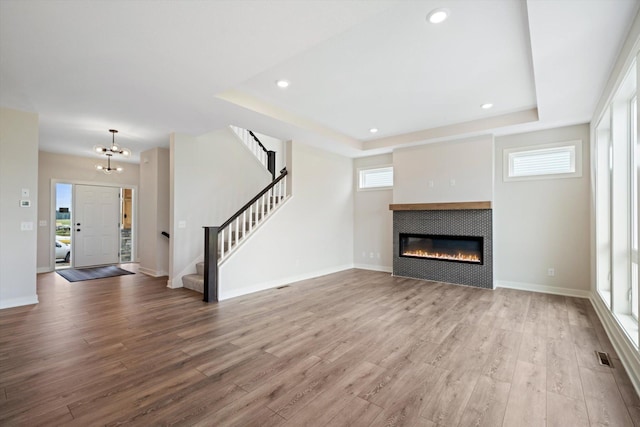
195, 282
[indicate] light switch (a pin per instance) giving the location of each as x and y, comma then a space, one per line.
42, 223
182, 224
26, 226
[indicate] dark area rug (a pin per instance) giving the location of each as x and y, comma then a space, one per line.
80, 274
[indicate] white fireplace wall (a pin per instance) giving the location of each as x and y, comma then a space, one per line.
455, 171
542, 224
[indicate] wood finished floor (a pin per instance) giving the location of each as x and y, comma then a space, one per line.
352, 348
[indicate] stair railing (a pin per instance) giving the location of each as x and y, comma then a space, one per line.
220, 241
266, 157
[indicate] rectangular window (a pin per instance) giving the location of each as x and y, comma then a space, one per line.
616, 202
375, 178
557, 160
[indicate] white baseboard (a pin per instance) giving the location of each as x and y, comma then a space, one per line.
152, 273
41, 270
17, 302
532, 287
629, 355
371, 267
232, 293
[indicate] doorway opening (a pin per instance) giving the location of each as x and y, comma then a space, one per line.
73, 223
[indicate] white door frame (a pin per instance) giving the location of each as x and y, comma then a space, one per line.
52, 216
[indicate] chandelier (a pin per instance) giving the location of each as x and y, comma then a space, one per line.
110, 152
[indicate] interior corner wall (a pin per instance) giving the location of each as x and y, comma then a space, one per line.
454, 171
212, 176
72, 169
373, 221
153, 200
310, 235
543, 223
18, 172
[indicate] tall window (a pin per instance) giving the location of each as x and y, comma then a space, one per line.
617, 161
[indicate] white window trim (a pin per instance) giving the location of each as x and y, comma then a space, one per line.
358, 178
577, 144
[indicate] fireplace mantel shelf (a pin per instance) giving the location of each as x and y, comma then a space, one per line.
440, 206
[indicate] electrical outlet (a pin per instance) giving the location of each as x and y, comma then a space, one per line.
551, 271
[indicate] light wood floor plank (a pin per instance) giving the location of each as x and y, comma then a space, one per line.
357, 412
604, 401
487, 403
527, 405
563, 411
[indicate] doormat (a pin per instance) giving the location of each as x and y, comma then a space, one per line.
80, 274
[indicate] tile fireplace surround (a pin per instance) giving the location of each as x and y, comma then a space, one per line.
446, 219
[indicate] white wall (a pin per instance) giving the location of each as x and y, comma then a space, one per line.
373, 221
153, 204
310, 235
212, 176
18, 171
72, 169
541, 224
467, 162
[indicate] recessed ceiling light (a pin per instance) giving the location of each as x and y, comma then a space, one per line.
437, 16
282, 84
486, 106
373, 130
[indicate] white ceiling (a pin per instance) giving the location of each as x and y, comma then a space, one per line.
149, 68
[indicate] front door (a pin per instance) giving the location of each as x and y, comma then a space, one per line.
96, 228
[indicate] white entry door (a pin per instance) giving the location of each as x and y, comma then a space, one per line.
96, 225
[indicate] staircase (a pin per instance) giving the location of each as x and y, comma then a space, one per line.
230, 237
221, 241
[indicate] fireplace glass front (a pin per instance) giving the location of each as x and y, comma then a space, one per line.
467, 249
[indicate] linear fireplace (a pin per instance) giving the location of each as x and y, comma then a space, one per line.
442, 248
444, 242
